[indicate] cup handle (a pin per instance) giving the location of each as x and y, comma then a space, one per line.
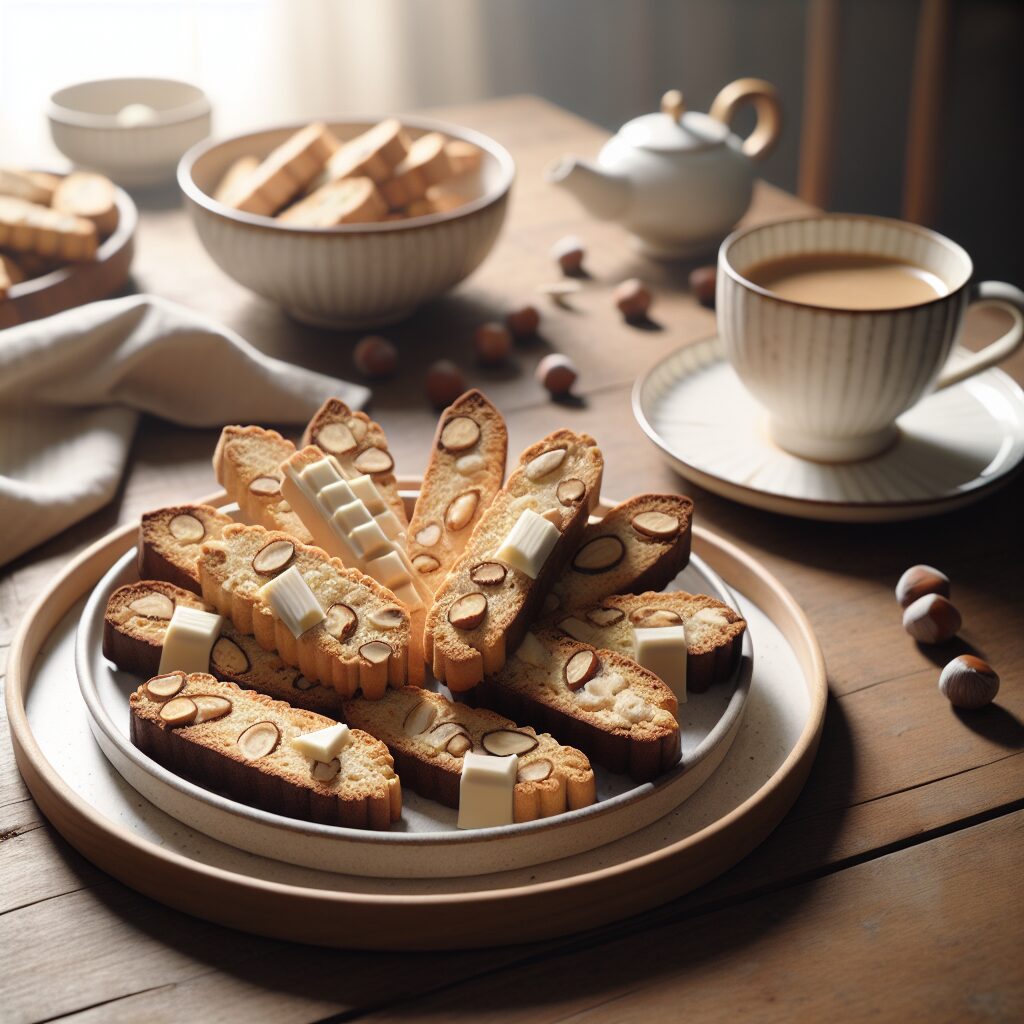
1002, 296
769, 112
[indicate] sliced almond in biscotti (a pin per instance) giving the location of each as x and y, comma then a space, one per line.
424, 165
170, 539
518, 548
29, 228
335, 625
231, 184
428, 736
286, 171
258, 750
641, 544
373, 155
247, 463
465, 471
360, 446
90, 196
347, 201
619, 714
134, 629
714, 631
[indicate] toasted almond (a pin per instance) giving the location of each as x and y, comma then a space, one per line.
488, 573
228, 657
153, 606
302, 683
335, 438
459, 745
599, 554
374, 460
581, 668
376, 651
186, 528
429, 535
163, 688
387, 618
545, 463
258, 740
656, 525
553, 516
535, 771
179, 711
426, 564
210, 707
358, 427
273, 557
571, 491
605, 616
709, 617
460, 434
266, 486
340, 621
461, 510
654, 618
502, 742
325, 771
420, 718
450, 736
468, 611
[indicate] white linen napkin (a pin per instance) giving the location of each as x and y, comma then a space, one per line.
72, 387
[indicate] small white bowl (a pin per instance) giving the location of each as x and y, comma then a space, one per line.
354, 275
86, 127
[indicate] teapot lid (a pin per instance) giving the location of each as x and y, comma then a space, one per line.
674, 129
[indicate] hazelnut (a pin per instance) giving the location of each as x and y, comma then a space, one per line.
931, 619
568, 253
634, 299
443, 383
919, 580
492, 342
557, 373
968, 682
375, 356
524, 322
702, 284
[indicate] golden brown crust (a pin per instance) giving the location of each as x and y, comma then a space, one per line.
169, 543
364, 792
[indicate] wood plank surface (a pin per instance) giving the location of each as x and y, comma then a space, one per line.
898, 769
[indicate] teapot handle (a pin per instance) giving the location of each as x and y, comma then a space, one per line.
769, 112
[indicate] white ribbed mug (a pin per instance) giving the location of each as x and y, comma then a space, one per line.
834, 381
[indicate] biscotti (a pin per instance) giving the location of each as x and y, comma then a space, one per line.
374, 154
170, 539
619, 714
520, 545
713, 630
90, 196
135, 625
424, 165
255, 749
29, 228
335, 625
465, 471
428, 736
347, 201
359, 445
641, 544
247, 463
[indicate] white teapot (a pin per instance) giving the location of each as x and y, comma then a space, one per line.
678, 180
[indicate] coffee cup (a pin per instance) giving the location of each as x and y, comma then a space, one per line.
839, 323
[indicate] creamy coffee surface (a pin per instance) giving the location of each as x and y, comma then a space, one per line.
841, 281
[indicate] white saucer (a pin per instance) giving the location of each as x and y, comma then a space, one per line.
955, 447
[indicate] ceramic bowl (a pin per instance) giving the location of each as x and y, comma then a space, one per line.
353, 275
92, 128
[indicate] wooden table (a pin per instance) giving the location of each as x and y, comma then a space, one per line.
891, 890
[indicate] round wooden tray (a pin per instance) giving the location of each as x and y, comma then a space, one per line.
77, 283
199, 876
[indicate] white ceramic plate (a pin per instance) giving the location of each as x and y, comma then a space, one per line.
426, 842
956, 446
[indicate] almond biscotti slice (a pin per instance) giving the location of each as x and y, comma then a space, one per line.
428, 736
465, 471
169, 542
135, 626
713, 630
263, 752
247, 464
619, 714
360, 446
641, 544
520, 545
335, 625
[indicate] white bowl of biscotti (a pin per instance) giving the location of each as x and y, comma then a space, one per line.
349, 224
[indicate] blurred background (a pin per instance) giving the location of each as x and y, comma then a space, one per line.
858, 79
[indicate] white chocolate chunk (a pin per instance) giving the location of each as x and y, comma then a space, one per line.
468, 465
533, 652
292, 601
486, 790
662, 650
529, 543
370, 540
353, 515
335, 496
189, 639
366, 491
389, 523
323, 744
388, 570
318, 475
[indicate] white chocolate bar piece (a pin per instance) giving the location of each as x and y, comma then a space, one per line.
486, 790
323, 744
663, 650
189, 639
529, 543
292, 601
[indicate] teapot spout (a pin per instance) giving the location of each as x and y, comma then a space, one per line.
601, 193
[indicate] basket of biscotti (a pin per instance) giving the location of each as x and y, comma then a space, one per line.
349, 223
484, 653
